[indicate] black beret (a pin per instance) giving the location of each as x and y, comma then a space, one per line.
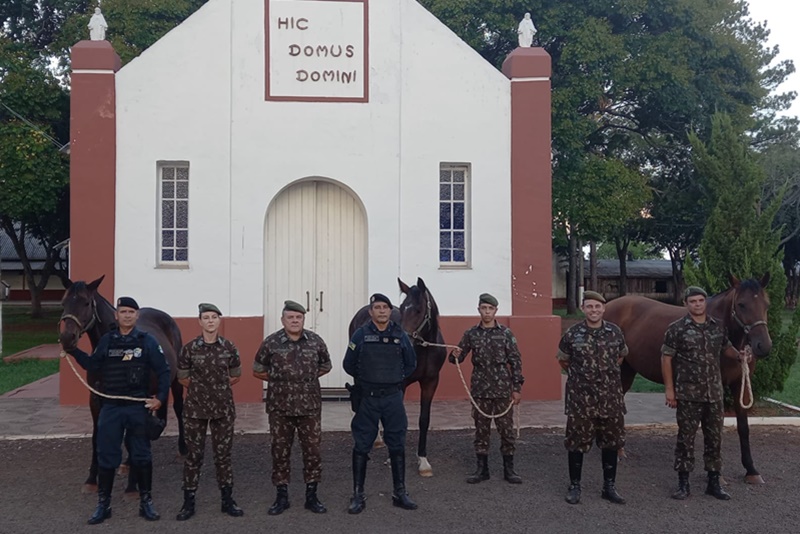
379, 297
593, 295
290, 305
127, 302
692, 291
208, 307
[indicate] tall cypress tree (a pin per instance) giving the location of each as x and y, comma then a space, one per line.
740, 239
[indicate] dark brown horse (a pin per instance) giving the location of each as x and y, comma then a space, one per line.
742, 309
87, 312
418, 315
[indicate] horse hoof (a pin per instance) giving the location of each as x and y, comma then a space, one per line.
754, 479
425, 469
378, 445
89, 488
130, 495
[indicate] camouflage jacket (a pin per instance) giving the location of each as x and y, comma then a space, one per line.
496, 361
210, 367
696, 349
594, 384
294, 368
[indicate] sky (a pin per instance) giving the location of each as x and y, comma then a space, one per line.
782, 17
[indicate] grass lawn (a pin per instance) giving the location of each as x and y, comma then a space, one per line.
20, 332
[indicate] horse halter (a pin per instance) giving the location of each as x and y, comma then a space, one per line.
745, 327
416, 335
74, 319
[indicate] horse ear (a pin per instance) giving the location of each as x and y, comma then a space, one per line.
765, 279
421, 284
733, 280
403, 287
94, 285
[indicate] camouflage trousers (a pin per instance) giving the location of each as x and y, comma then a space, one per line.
608, 432
309, 434
221, 445
690, 416
504, 424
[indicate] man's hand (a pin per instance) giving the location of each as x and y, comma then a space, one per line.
455, 353
516, 397
670, 395
152, 403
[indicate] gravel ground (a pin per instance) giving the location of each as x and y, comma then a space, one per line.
42, 480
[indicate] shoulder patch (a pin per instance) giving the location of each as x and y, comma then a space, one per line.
160, 349
351, 346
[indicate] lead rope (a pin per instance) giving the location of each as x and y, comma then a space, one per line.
746, 383
469, 394
90, 388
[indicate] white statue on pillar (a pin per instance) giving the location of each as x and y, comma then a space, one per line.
97, 26
526, 31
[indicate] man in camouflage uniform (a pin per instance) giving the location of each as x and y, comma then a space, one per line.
208, 366
690, 364
291, 360
496, 381
591, 353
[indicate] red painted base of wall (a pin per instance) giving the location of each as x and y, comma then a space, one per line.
537, 337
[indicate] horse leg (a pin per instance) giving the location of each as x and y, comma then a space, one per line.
627, 374
427, 391
132, 489
752, 476
177, 407
90, 486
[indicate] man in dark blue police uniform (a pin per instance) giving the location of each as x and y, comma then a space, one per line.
380, 356
126, 357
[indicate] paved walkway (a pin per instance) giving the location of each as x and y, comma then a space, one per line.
33, 412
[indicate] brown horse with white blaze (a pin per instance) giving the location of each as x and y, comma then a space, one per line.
742, 308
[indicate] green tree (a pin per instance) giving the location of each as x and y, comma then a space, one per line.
740, 239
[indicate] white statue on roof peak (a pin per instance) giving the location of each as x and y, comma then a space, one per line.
97, 26
526, 30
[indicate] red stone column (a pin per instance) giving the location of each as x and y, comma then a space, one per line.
93, 149
532, 321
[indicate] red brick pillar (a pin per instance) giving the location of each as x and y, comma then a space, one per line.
92, 175
532, 320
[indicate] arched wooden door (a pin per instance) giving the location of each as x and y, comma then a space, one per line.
316, 253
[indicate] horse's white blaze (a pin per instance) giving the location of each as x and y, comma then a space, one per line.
425, 469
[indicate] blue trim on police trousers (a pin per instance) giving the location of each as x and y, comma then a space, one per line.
116, 422
388, 410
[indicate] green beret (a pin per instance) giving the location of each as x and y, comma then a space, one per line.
208, 307
692, 291
593, 295
486, 298
290, 305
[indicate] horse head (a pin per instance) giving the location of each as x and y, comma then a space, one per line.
418, 311
749, 307
80, 312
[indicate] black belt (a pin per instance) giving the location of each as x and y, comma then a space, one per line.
381, 392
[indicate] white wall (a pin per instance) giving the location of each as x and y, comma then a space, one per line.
198, 95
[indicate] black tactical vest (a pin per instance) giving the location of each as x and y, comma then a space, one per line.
380, 360
125, 371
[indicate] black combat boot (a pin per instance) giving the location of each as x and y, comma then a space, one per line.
229, 506
575, 460
187, 510
359, 501
105, 481
482, 473
281, 503
400, 496
508, 470
683, 486
144, 475
714, 489
609, 493
312, 502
